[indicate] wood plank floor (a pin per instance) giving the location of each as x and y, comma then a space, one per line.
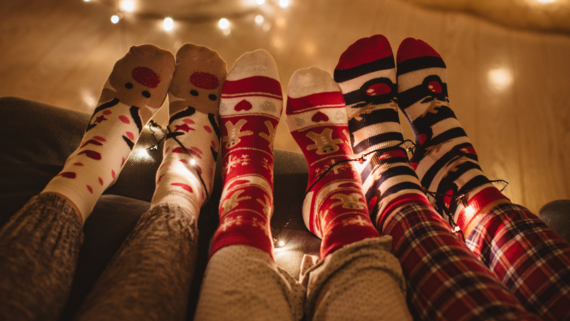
510, 89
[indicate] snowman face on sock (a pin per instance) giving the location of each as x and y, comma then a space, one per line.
196, 87
143, 85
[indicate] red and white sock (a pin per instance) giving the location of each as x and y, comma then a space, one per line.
444, 159
194, 98
249, 114
335, 208
134, 91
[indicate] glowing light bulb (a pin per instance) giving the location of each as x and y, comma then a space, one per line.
283, 3
86, 0
281, 243
456, 229
545, 1
500, 78
128, 5
168, 24
260, 2
142, 153
224, 24
115, 19
192, 161
259, 19
469, 210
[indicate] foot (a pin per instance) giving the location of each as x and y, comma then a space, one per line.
444, 159
334, 208
366, 74
134, 91
249, 114
186, 174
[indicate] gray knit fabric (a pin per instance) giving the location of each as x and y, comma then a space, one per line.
244, 283
38, 252
149, 277
361, 281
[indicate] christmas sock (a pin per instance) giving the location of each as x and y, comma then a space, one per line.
444, 159
366, 74
335, 208
194, 98
249, 114
134, 91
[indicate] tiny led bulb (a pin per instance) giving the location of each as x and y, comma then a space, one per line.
224, 24
128, 5
192, 162
281, 243
283, 3
115, 19
260, 2
456, 229
168, 24
259, 19
469, 210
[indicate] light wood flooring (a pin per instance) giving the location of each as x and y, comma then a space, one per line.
510, 89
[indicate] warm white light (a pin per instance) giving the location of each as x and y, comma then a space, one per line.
224, 24
259, 19
115, 19
192, 161
545, 1
456, 229
260, 2
500, 78
469, 210
86, 0
128, 5
266, 27
283, 3
168, 24
142, 153
281, 243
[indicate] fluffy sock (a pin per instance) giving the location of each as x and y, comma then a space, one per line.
194, 98
249, 114
444, 159
335, 208
366, 74
134, 91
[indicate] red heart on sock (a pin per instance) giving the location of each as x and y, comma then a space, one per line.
319, 117
243, 105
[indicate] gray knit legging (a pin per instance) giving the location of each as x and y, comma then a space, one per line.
149, 277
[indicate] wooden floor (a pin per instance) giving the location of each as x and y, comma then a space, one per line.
510, 89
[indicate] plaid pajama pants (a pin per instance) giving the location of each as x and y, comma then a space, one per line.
445, 281
528, 257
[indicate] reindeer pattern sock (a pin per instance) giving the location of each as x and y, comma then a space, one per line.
334, 209
444, 159
194, 98
366, 74
251, 106
134, 91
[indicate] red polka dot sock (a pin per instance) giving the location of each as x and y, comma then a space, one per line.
366, 74
249, 114
194, 98
134, 91
335, 208
444, 159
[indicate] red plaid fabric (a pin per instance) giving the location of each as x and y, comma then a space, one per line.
445, 281
531, 260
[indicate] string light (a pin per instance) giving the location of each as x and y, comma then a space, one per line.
545, 1
224, 24
456, 229
192, 162
260, 2
115, 19
259, 19
168, 24
281, 243
283, 3
86, 0
500, 78
128, 5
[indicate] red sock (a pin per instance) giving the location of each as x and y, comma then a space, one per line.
335, 208
250, 109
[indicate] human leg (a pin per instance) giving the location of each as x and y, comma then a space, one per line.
444, 280
242, 281
150, 276
358, 278
530, 259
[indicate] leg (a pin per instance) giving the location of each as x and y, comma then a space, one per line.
39, 245
530, 259
445, 281
150, 276
357, 269
242, 281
